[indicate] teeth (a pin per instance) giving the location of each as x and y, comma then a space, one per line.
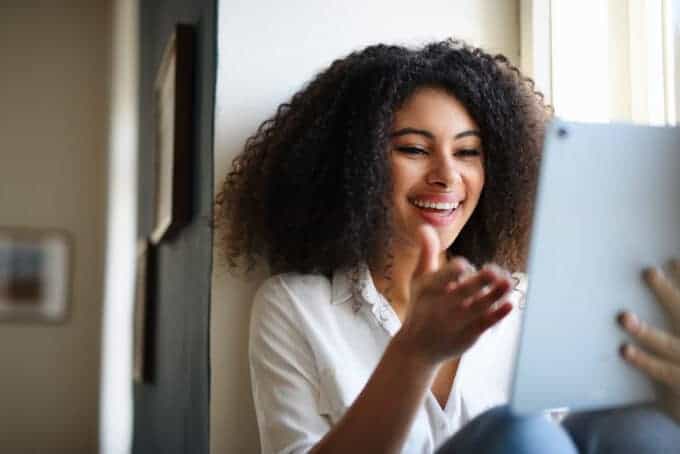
437, 206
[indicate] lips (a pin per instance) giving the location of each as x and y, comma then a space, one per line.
437, 212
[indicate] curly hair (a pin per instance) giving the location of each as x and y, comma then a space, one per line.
310, 191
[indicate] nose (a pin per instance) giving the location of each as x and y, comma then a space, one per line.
444, 173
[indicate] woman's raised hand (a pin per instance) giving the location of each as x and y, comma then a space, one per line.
659, 356
452, 304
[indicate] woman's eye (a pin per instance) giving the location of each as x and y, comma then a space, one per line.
412, 150
469, 152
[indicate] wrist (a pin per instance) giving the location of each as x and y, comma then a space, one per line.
412, 360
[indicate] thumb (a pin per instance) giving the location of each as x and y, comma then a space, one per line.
429, 251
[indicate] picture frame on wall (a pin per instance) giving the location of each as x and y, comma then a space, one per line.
143, 319
36, 267
173, 126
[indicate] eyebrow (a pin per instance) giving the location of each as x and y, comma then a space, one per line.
429, 135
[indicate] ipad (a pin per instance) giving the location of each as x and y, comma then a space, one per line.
608, 205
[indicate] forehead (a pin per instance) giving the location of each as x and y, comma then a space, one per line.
434, 109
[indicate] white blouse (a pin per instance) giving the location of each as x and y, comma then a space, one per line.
313, 346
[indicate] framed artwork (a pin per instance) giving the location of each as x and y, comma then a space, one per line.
173, 125
35, 274
143, 312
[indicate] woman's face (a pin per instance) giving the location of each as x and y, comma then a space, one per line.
437, 167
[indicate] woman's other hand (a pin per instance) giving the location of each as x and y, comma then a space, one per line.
451, 304
659, 356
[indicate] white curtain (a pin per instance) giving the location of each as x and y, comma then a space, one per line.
604, 60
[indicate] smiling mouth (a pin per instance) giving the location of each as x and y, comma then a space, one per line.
438, 208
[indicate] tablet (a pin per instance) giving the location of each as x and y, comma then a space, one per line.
608, 205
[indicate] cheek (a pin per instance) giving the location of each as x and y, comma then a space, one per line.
474, 182
477, 180
403, 179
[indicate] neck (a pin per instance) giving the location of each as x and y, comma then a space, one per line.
396, 286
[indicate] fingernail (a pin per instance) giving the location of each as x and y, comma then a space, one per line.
620, 317
650, 274
500, 271
490, 266
647, 273
675, 264
629, 321
627, 350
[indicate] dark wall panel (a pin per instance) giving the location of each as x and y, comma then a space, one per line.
172, 412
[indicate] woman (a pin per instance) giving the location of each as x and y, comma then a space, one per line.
378, 197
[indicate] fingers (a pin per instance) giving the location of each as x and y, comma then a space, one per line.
651, 338
484, 308
664, 290
484, 322
480, 282
429, 252
497, 291
674, 271
455, 271
659, 369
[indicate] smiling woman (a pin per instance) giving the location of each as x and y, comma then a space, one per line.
436, 165
379, 195
437, 170
367, 187
326, 148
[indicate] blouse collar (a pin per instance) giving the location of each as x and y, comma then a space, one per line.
357, 281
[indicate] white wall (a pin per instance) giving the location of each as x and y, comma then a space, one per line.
53, 123
266, 51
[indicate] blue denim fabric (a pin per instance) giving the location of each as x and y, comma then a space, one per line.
499, 431
639, 430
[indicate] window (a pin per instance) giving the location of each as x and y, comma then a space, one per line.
615, 63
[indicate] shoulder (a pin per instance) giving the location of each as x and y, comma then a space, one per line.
290, 297
292, 289
290, 317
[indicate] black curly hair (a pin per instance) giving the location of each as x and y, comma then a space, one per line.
310, 191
